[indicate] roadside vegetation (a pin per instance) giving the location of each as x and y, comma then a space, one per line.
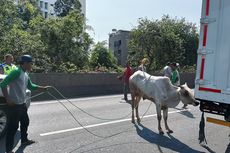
61, 44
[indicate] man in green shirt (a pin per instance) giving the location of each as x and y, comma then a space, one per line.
175, 78
17, 82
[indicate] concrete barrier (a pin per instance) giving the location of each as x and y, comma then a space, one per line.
87, 84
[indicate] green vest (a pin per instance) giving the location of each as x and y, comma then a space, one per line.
8, 68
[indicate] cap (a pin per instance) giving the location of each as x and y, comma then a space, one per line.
26, 58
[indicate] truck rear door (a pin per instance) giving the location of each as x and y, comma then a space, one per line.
213, 64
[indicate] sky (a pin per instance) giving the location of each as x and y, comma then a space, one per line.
105, 15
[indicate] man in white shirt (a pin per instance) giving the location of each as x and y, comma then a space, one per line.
168, 70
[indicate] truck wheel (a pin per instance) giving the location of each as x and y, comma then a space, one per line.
3, 122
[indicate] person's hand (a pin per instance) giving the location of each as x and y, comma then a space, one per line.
44, 88
119, 77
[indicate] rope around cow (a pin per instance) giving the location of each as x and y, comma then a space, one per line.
39, 94
89, 115
107, 119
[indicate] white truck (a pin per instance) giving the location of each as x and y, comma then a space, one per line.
212, 84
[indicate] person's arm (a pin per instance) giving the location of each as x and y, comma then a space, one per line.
33, 86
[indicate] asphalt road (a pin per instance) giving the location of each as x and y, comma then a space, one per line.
56, 131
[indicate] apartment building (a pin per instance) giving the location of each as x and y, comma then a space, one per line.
47, 7
118, 43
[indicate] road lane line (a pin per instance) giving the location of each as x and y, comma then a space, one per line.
75, 99
101, 124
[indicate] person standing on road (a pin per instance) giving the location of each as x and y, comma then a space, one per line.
142, 66
7, 66
17, 82
175, 78
125, 77
168, 70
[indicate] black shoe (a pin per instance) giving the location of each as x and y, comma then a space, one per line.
28, 142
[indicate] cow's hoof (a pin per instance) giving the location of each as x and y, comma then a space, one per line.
138, 121
161, 132
170, 131
133, 121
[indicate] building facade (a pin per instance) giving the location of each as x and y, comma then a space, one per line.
47, 7
118, 43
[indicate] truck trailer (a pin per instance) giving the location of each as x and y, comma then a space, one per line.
212, 84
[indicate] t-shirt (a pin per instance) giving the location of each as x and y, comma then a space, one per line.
167, 71
128, 72
17, 82
175, 79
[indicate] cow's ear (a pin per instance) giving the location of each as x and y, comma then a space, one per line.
185, 84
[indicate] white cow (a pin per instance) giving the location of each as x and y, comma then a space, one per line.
159, 90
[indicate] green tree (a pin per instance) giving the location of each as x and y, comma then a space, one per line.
66, 40
101, 56
57, 44
162, 41
8, 17
63, 7
27, 10
18, 42
188, 32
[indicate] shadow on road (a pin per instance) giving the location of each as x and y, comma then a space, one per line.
169, 142
228, 149
125, 101
208, 149
185, 113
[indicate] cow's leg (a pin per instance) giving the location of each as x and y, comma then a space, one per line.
158, 107
138, 98
133, 105
165, 115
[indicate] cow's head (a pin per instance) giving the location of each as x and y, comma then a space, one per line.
187, 95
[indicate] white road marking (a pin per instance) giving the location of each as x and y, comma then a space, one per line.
101, 124
75, 99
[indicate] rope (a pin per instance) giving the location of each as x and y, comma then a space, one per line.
75, 117
41, 93
85, 127
84, 112
106, 119
126, 130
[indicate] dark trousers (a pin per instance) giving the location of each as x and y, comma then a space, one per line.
126, 90
16, 114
